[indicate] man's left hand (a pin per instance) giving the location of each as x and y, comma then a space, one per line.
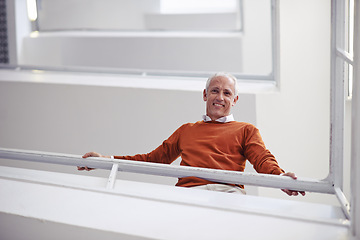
292, 192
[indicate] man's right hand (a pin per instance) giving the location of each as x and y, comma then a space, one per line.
91, 154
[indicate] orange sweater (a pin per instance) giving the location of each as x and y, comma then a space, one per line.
214, 145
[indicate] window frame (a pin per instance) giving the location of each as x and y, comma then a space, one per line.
272, 77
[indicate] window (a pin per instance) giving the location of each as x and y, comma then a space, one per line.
342, 62
165, 37
349, 44
345, 41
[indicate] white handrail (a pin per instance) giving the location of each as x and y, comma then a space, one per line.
233, 177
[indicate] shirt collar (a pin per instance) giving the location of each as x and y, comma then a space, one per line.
228, 118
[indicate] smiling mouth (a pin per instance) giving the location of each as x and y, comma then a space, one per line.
218, 105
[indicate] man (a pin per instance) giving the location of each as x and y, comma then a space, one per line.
217, 142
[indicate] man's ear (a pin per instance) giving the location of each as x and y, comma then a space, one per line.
235, 100
204, 95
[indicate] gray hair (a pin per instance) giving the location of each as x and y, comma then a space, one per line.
223, 74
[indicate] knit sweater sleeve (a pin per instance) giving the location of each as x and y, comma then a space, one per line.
167, 152
257, 154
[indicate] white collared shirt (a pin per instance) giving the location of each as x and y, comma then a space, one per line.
228, 118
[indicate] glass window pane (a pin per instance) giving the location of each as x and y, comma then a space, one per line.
349, 26
198, 6
348, 78
149, 36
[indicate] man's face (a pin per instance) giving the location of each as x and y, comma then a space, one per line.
220, 97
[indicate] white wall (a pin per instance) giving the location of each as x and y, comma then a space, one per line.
110, 14
295, 121
192, 52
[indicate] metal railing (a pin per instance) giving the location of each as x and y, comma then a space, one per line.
223, 176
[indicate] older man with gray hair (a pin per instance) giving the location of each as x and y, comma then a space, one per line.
218, 141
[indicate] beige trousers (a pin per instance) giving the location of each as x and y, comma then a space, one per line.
221, 188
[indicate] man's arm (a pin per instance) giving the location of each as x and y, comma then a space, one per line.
262, 159
167, 152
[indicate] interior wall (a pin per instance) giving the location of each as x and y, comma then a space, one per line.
131, 51
109, 15
295, 122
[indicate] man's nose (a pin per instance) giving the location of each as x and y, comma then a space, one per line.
220, 96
